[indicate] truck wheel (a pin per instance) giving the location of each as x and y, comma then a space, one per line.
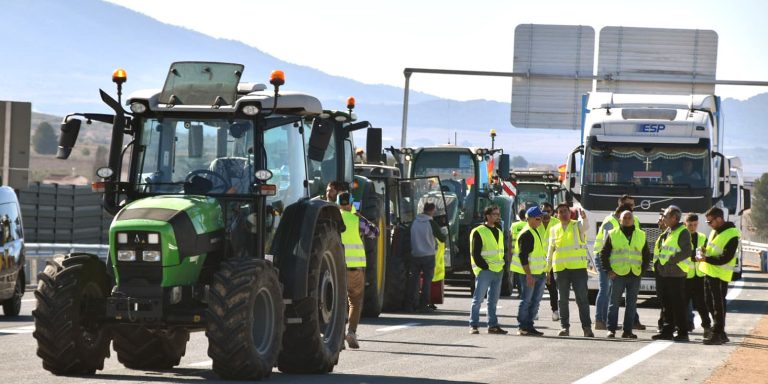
245, 319
397, 271
375, 268
12, 306
313, 342
139, 348
71, 297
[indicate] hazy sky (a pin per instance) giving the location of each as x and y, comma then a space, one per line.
373, 41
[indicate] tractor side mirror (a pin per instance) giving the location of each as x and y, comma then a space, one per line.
70, 128
195, 141
373, 146
319, 138
503, 171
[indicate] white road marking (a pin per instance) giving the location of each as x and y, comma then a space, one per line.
619, 366
485, 309
206, 363
396, 327
29, 301
24, 329
736, 291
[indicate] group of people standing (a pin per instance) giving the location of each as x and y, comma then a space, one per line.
692, 271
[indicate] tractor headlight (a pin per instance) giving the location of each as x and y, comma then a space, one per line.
126, 255
153, 238
250, 110
151, 256
138, 108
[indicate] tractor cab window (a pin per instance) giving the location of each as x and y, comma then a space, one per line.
456, 171
322, 172
285, 159
206, 155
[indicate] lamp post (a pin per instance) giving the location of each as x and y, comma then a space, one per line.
493, 138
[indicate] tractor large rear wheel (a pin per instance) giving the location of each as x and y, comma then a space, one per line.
245, 319
71, 297
312, 343
139, 348
375, 272
397, 270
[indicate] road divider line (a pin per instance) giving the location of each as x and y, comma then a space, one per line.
29, 300
206, 363
736, 291
24, 329
619, 366
485, 309
397, 327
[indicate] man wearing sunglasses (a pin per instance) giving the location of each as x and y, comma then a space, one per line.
718, 260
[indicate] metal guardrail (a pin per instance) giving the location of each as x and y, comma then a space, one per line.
749, 246
37, 254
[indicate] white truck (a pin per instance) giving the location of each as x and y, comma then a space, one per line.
661, 149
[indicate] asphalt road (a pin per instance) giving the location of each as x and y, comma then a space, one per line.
437, 348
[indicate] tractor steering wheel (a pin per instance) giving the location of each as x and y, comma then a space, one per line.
224, 183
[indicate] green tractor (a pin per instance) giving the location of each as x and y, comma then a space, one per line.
214, 231
467, 180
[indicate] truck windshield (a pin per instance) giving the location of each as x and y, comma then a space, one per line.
678, 166
215, 156
531, 195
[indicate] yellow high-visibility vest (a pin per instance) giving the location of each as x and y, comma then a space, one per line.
701, 242
537, 259
492, 250
669, 247
626, 256
601, 233
354, 250
715, 247
570, 251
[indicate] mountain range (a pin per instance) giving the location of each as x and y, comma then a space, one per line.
57, 54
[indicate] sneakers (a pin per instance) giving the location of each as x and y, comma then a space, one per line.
638, 326
707, 333
564, 332
555, 315
611, 335
662, 336
352, 340
588, 332
432, 306
496, 330
529, 332
628, 335
600, 325
716, 339
473, 331
683, 337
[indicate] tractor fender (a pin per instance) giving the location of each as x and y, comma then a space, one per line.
292, 245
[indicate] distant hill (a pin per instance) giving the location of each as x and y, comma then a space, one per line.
57, 54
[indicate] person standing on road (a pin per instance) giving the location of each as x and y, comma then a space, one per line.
718, 260
624, 257
515, 230
530, 262
544, 229
424, 231
672, 262
486, 242
567, 256
611, 221
694, 284
354, 255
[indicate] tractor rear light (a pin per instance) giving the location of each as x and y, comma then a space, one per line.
266, 190
138, 108
151, 256
153, 238
98, 186
122, 238
126, 255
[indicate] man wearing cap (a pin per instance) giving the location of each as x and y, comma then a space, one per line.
354, 255
546, 225
624, 256
717, 261
672, 260
529, 262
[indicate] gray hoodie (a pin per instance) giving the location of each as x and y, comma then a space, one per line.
423, 233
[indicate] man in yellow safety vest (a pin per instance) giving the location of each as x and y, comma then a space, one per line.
718, 261
486, 242
694, 284
672, 262
354, 255
529, 262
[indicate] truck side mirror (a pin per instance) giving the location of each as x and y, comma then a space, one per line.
373, 146
747, 203
195, 141
319, 138
70, 128
503, 171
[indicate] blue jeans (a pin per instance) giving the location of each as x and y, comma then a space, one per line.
421, 267
631, 284
601, 303
530, 297
578, 279
486, 282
